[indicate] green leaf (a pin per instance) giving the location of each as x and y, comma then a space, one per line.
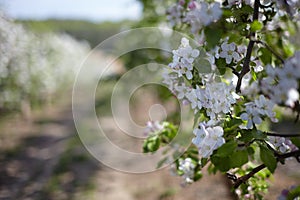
198, 175
203, 66
238, 158
213, 35
294, 193
256, 26
250, 150
268, 158
226, 149
296, 141
249, 135
151, 144
196, 118
221, 65
266, 56
221, 163
253, 74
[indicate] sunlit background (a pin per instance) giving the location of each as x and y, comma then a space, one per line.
91, 10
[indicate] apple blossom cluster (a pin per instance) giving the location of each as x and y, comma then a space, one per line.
281, 144
183, 59
255, 111
198, 14
248, 195
230, 52
281, 84
174, 13
215, 97
208, 139
187, 167
202, 14
290, 6
153, 127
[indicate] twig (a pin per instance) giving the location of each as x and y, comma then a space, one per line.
295, 154
244, 178
234, 71
246, 63
271, 50
282, 135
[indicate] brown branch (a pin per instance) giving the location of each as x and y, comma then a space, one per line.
246, 63
282, 135
234, 71
295, 154
244, 178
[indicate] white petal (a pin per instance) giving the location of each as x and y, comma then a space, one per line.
257, 119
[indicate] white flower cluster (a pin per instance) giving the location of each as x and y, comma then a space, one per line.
208, 139
153, 127
202, 14
261, 107
290, 6
281, 144
183, 59
187, 167
216, 97
281, 84
229, 52
174, 13
35, 65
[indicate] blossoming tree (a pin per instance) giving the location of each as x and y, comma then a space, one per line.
35, 67
242, 72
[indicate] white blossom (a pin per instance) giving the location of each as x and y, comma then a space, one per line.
202, 14
153, 127
281, 84
174, 14
208, 139
187, 167
281, 144
261, 107
183, 59
229, 52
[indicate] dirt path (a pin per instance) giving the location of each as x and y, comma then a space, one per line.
44, 159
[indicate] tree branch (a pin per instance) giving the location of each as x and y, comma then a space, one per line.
246, 63
271, 50
295, 154
244, 178
282, 135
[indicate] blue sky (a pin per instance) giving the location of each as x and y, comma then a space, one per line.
94, 10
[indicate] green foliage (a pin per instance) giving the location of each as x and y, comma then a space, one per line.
256, 26
213, 35
268, 158
294, 193
228, 156
160, 138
